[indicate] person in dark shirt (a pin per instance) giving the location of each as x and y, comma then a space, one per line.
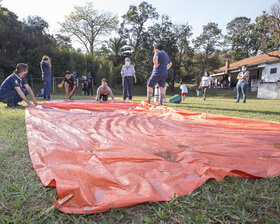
69, 82
46, 76
12, 91
159, 75
89, 84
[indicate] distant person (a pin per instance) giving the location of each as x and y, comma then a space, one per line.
128, 75
90, 83
104, 91
12, 91
205, 83
184, 90
242, 83
159, 75
84, 85
70, 83
46, 66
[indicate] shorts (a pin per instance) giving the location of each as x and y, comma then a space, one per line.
154, 79
184, 94
103, 97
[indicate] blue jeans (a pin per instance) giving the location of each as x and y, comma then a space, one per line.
12, 96
241, 87
127, 87
47, 87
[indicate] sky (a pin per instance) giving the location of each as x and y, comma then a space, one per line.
194, 12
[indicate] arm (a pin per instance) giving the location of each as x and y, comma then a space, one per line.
111, 93
98, 94
169, 65
135, 80
31, 93
73, 90
21, 94
156, 61
122, 73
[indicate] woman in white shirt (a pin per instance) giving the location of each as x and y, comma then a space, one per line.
205, 83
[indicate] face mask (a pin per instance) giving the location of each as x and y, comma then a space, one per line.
105, 86
127, 63
243, 69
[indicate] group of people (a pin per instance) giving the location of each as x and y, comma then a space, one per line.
12, 91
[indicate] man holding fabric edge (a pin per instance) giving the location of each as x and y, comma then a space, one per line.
159, 75
12, 91
128, 73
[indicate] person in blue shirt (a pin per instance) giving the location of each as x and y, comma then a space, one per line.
159, 75
128, 75
12, 91
46, 66
69, 82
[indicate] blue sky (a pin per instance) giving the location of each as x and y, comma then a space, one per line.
196, 12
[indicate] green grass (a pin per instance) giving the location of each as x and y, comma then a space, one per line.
233, 200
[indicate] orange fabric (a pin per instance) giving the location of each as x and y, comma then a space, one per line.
120, 154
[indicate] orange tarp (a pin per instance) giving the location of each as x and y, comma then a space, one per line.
120, 154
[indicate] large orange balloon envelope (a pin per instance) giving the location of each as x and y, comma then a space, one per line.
120, 154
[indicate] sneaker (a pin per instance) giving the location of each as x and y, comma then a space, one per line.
236, 101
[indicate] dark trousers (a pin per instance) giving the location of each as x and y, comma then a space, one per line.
90, 89
47, 87
241, 87
103, 97
12, 96
204, 91
127, 87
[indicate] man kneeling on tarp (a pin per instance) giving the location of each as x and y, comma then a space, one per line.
103, 91
69, 81
12, 91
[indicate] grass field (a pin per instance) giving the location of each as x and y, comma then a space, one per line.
234, 200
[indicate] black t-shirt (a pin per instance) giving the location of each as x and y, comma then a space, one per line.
72, 81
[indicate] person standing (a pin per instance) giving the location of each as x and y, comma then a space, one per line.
90, 84
205, 83
12, 91
184, 89
242, 84
160, 73
128, 75
46, 66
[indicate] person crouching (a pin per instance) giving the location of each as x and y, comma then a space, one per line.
104, 91
70, 83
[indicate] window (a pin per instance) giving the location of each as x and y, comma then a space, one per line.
273, 70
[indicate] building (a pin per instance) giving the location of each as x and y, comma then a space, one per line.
264, 74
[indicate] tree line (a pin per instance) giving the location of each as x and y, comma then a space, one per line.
132, 36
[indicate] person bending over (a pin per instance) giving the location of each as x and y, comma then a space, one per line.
12, 91
70, 83
104, 91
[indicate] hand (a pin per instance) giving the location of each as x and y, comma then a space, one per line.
30, 104
135, 80
35, 102
59, 85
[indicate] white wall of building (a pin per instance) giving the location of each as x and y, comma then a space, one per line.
269, 91
267, 77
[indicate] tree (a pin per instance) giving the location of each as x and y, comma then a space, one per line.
133, 25
87, 25
207, 46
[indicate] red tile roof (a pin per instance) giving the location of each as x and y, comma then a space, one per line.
263, 58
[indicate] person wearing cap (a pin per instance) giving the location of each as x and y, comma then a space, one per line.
159, 75
104, 91
12, 91
128, 75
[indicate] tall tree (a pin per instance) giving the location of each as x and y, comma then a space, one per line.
87, 24
207, 46
133, 25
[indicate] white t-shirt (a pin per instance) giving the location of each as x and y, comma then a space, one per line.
206, 81
184, 88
